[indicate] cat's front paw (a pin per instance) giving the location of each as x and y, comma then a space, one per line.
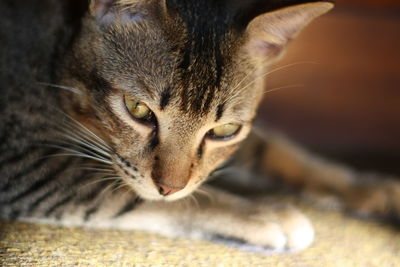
285, 230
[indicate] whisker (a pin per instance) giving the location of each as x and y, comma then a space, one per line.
284, 87
88, 145
103, 179
97, 169
80, 155
205, 193
83, 150
81, 132
184, 203
67, 88
81, 126
106, 190
96, 165
80, 152
221, 170
275, 70
196, 202
249, 74
122, 184
69, 126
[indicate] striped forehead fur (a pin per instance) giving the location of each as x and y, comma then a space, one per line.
204, 51
201, 39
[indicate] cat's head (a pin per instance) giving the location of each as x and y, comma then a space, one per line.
173, 86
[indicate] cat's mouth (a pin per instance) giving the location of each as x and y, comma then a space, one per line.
144, 186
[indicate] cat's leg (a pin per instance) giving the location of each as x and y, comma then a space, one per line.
364, 194
211, 214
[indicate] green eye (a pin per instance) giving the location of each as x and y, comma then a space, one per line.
136, 108
225, 131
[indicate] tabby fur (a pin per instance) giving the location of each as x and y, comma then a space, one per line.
70, 154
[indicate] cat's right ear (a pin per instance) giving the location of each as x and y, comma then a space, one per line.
268, 34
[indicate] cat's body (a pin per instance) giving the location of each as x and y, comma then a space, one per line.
194, 88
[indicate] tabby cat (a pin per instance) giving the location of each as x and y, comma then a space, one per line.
115, 112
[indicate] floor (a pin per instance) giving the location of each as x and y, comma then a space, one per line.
340, 241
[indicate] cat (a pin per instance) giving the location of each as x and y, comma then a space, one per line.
115, 112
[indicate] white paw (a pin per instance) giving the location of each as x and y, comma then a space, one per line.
298, 229
281, 231
269, 236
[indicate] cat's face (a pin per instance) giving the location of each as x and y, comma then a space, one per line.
172, 93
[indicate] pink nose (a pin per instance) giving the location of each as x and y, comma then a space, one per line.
166, 190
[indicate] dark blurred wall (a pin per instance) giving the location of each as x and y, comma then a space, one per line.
350, 100
373, 3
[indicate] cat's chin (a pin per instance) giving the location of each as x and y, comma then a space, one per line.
155, 196
161, 198
177, 196
146, 190
146, 195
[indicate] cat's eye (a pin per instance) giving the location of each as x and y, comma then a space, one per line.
225, 131
137, 109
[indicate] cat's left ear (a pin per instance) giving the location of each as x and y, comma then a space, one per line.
101, 8
269, 33
107, 11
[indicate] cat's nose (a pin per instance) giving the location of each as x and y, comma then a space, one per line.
166, 190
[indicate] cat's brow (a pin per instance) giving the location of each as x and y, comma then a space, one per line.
220, 112
146, 88
165, 97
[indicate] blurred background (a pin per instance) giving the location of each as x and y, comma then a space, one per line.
348, 105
